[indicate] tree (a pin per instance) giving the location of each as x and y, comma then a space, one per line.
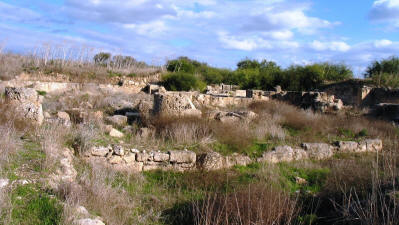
102, 58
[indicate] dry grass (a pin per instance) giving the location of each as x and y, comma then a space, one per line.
75, 63
256, 204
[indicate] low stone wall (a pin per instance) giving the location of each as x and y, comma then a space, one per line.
319, 151
188, 103
60, 87
133, 160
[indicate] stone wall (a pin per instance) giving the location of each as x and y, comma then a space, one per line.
318, 101
134, 160
60, 87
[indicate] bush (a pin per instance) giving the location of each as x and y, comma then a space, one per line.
182, 81
384, 72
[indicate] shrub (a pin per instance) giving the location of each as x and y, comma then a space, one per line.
182, 81
384, 72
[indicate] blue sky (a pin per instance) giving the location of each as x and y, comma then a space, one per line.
219, 32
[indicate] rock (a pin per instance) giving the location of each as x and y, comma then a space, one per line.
370, 145
99, 151
4, 183
115, 133
97, 115
182, 156
210, 161
142, 156
240, 160
118, 150
279, 154
283, 154
130, 158
277, 89
89, 221
46, 115
347, 146
81, 210
300, 181
175, 103
63, 116
318, 150
117, 120
161, 157
115, 159
108, 128
26, 103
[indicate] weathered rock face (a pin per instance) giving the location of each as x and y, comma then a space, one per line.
26, 102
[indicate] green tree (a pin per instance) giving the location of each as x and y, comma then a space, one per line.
102, 58
384, 72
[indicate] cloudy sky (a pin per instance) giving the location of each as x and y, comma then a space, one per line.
220, 32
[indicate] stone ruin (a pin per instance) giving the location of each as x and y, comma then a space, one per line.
26, 103
133, 160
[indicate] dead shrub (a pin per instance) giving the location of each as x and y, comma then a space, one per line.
183, 130
83, 136
98, 194
257, 204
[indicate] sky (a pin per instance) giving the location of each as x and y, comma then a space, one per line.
219, 32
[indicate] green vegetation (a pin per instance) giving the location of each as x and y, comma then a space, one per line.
33, 206
384, 72
314, 178
263, 75
182, 81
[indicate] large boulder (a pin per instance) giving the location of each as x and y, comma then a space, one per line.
26, 102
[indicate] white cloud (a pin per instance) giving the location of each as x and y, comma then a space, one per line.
246, 44
149, 29
279, 34
339, 46
382, 43
385, 11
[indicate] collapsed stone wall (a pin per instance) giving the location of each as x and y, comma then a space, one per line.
134, 160
318, 101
